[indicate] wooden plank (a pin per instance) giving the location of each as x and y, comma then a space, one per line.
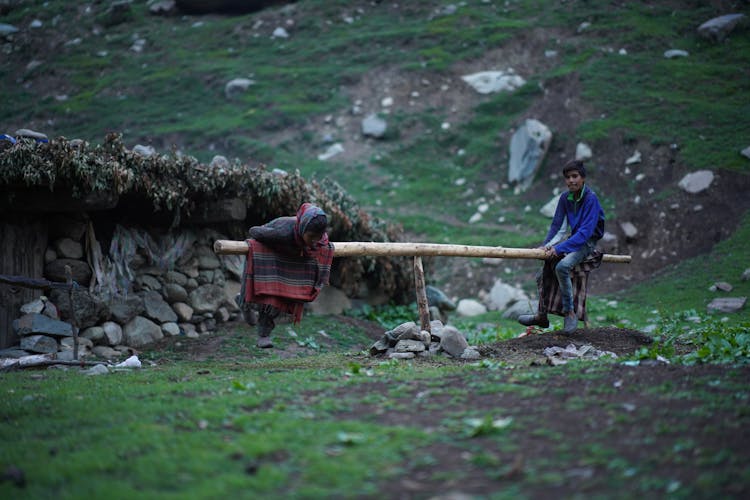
23, 241
378, 249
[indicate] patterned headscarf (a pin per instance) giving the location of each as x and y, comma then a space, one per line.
306, 213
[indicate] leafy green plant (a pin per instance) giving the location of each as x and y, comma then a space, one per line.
720, 343
488, 425
389, 316
708, 340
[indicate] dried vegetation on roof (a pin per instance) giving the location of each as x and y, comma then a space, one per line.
177, 183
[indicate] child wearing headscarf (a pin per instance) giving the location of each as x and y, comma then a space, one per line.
288, 263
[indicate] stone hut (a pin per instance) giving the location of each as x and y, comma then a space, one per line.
136, 229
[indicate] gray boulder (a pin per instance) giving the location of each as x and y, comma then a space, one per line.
112, 333
141, 331
34, 323
697, 181
33, 307
453, 342
162, 8
374, 126
528, 146
237, 86
175, 293
7, 29
80, 270
207, 298
331, 300
90, 309
94, 333
436, 297
39, 343
718, 28
123, 309
157, 309
727, 304
68, 249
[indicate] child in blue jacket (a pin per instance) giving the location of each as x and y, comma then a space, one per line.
579, 212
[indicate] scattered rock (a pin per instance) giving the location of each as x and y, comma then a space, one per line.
471, 353
634, 158
557, 355
671, 54
470, 307
144, 151
332, 151
726, 304
548, 210
723, 286
697, 181
629, 229
401, 355
96, 370
583, 151
162, 8
487, 82
237, 86
374, 126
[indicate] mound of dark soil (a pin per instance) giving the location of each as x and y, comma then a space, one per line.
530, 348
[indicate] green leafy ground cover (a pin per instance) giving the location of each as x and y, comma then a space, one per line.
315, 418
326, 421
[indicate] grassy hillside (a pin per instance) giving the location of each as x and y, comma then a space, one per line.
608, 83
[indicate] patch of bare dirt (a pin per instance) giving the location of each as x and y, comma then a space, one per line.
588, 429
599, 437
530, 348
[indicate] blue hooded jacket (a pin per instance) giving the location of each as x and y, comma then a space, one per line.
585, 218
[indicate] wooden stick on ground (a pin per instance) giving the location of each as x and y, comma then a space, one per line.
48, 362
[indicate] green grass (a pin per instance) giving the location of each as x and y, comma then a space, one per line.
175, 88
684, 286
248, 423
317, 426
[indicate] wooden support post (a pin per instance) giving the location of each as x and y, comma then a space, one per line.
73, 322
422, 305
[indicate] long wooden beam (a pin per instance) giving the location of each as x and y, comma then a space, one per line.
402, 249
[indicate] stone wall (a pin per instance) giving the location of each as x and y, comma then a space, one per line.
189, 292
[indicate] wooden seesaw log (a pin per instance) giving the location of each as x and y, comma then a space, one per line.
416, 250
401, 249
